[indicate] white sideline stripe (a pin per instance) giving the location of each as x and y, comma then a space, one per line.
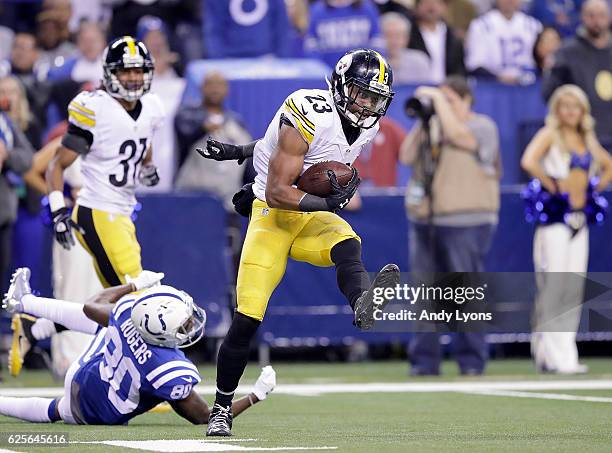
377, 387
196, 445
545, 396
3, 450
166, 366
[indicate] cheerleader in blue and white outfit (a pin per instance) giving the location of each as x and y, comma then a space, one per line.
571, 168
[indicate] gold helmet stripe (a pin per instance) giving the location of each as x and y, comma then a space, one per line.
131, 45
381, 66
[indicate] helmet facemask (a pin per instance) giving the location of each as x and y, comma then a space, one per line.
131, 92
168, 317
360, 104
192, 330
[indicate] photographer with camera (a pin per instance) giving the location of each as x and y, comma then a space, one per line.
15, 159
452, 201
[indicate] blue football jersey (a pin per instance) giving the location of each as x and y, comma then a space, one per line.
121, 376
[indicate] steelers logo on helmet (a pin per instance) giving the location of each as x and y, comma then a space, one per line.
361, 87
165, 316
128, 69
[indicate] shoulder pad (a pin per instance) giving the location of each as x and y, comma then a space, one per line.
310, 111
82, 110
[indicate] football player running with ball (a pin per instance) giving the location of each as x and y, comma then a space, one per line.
310, 127
111, 129
134, 361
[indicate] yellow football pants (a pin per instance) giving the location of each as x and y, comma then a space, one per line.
111, 241
274, 235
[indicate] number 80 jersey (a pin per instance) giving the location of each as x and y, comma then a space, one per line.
118, 144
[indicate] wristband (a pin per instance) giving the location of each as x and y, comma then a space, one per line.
56, 201
311, 203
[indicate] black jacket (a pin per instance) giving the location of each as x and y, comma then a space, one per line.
454, 49
580, 63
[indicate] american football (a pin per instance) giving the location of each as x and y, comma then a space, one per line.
315, 180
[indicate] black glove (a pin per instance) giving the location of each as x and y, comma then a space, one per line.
62, 228
222, 151
341, 195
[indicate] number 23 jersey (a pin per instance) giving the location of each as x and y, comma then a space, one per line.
118, 144
313, 114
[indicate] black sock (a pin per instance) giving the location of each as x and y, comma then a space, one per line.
233, 357
352, 277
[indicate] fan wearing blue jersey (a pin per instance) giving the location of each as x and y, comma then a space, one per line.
135, 358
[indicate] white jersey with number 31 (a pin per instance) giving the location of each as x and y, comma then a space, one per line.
110, 168
313, 113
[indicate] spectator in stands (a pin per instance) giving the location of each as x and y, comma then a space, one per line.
15, 159
562, 15
53, 36
182, 17
500, 43
169, 86
432, 36
6, 41
233, 31
458, 163
409, 65
586, 60
86, 65
298, 13
377, 163
82, 71
25, 65
403, 7
459, 16
563, 155
194, 123
544, 48
14, 101
337, 26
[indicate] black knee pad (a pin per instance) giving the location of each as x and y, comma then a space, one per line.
347, 250
242, 330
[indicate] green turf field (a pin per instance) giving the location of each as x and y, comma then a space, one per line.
378, 421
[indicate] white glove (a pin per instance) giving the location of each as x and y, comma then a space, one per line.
146, 279
265, 383
148, 175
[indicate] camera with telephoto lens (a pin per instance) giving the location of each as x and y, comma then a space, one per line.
419, 107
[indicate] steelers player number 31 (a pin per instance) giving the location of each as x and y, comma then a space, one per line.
128, 148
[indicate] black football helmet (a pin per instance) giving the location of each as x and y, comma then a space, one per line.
124, 53
361, 87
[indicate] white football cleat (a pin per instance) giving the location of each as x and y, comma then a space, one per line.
265, 383
20, 286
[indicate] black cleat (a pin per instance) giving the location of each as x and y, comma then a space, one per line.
388, 277
220, 421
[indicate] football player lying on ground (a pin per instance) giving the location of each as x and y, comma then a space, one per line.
134, 361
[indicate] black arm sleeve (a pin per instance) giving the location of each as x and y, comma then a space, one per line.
312, 203
77, 139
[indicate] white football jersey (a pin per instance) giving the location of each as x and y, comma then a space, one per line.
110, 168
502, 46
313, 113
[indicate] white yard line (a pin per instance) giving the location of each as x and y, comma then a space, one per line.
375, 387
545, 396
197, 445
